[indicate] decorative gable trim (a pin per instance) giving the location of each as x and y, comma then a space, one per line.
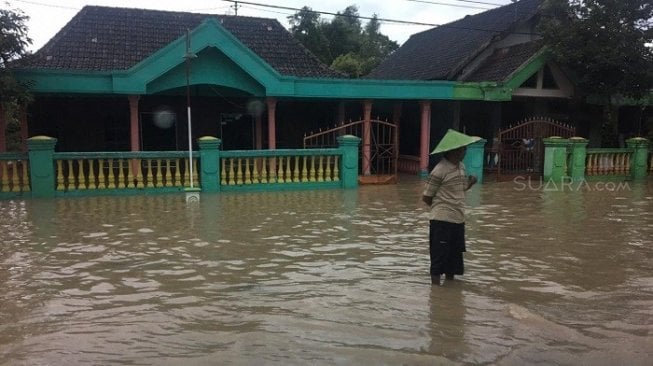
535, 68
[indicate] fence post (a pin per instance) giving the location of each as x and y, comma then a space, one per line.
578, 147
638, 163
474, 159
210, 163
349, 162
40, 150
555, 158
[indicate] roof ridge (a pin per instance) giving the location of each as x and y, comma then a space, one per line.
477, 16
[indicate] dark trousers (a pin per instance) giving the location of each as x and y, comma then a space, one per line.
446, 247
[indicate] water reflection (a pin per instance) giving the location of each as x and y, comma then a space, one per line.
329, 277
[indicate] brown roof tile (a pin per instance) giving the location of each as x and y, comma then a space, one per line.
107, 39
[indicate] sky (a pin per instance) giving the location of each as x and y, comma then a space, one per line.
47, 17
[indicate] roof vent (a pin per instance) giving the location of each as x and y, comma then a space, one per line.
269, 28
48, 57
94, 39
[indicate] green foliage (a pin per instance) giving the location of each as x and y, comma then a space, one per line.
606, 47
13, 94
343, 42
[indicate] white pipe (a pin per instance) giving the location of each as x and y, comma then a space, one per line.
190, 148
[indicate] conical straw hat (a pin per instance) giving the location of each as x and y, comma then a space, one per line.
453, 140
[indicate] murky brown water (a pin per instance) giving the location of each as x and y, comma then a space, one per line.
324, 278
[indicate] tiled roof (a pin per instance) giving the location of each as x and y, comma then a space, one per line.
107, 39
503, 62
437, 53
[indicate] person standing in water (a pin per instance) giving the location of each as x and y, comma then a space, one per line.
444, 193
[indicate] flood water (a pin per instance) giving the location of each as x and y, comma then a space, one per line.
554, 277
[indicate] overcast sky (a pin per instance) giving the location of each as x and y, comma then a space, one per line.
49, 16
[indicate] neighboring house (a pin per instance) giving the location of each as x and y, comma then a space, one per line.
501, 47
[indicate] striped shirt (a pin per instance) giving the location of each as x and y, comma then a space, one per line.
446, 184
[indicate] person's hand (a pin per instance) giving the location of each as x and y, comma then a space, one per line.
472, 180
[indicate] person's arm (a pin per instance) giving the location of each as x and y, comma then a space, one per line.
471, 180
428, 200
431, 187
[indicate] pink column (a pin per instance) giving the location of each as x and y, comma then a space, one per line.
367, 137
135, 139
24, 131
258, 132
3, 126
133, 123
425, 136
272, 123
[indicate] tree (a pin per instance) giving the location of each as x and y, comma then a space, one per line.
342, 43
307, 27
13, 45
606, 47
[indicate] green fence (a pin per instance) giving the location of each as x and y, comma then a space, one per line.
571, 159
45, 173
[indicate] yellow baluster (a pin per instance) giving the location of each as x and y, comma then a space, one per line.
248, 176
186, 173
15, 181
327, 170
130, 174
71, 177
255, 163
168, 175
25, 178
81, 178
91, 175
336, 169
288, 171
280, 171
121, 173
159, 174
295, 176
150, 176
178, 174
60, 179
138, 173
272, 164
196, 179
223, 173
4, 176
305, 170
320, 170
264, 171
111, 176
239, 172
232, 180
312, 171
100, 175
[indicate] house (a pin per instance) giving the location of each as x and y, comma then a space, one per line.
500, 47
119, 79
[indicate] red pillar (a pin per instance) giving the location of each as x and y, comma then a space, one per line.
24, 128
133, 123
3, 126
367, 137
425, 136
272, 123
